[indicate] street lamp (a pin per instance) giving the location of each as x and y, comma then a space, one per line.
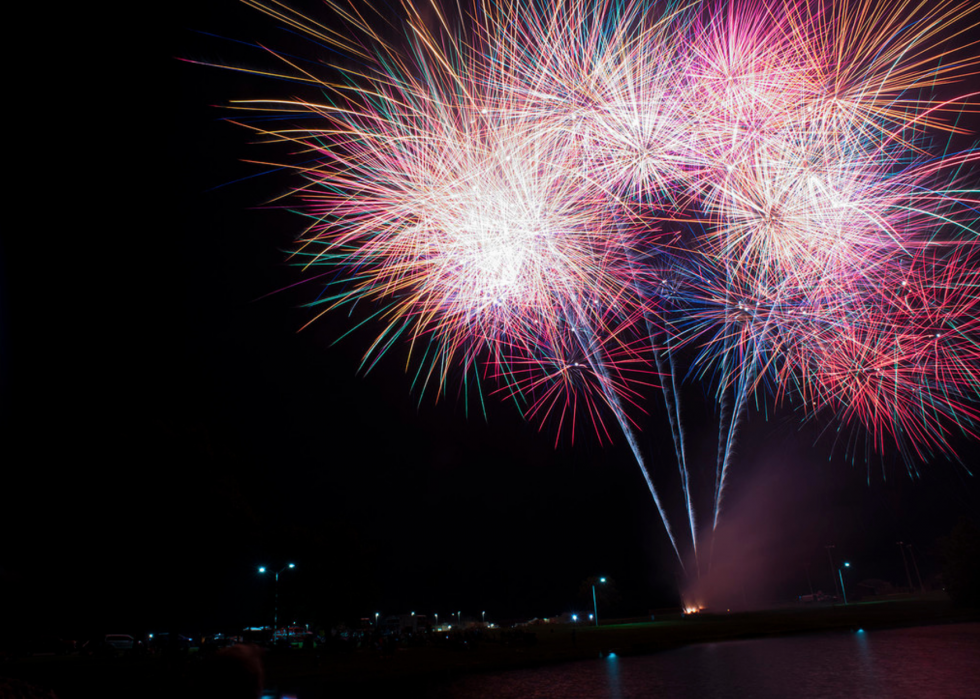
275, 620
595, 605
483, 616
831, 559
908, 575
841, 576
376, 615
915, 565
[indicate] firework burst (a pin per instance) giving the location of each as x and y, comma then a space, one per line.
546, 195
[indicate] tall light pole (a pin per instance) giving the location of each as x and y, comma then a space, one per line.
595, 605
831, 559
841, 575
916, 566
908, 575
275, 619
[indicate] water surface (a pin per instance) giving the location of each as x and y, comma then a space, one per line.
932, 661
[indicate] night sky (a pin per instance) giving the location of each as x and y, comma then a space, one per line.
167, 429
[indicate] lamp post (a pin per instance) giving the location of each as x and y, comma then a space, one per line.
915, 565
275, 619
831, 559
595, 605
483, 617
908, 575
376, 615
841, 576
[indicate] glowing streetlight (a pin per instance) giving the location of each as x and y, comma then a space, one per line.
275, 620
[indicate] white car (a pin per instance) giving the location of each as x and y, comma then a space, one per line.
120, 641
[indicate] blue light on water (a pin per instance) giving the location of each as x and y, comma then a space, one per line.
612, 676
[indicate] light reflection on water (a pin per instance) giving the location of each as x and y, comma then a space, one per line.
935, 661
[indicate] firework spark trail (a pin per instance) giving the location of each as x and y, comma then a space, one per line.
667, 371
672, 402
741, 385
631, 438
742, 390
599, 366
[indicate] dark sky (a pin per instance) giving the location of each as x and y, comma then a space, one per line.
167, 429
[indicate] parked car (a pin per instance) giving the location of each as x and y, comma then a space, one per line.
120, 641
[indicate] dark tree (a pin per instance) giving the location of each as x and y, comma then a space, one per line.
961, 563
